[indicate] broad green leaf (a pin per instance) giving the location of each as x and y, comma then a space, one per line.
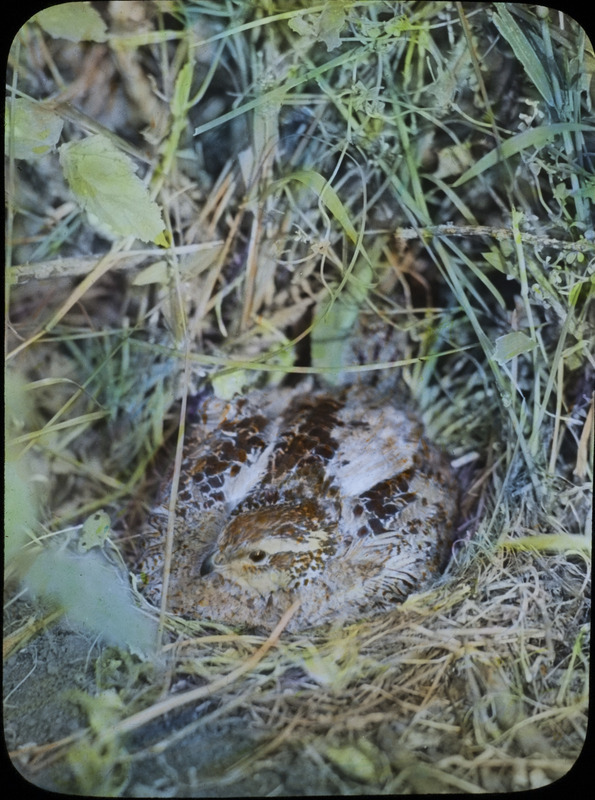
533, 137
103, 180
35, 129
353, 762
524, 51
104, 710
330, 335
302, 25
361, 761
512, 345
164, 239
77, 22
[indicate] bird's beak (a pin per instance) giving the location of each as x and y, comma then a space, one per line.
207, 565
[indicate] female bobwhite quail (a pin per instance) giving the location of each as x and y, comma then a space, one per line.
332, 498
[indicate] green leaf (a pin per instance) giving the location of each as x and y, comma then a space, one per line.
325, 25
274, 94
154, 273
77, 22
228, 384
512, 345
20, 484
353, 762
496, 260
533, 137
582, 291
361, 761
550, 542
94, 532
302, 25
179, 104
333, 323
103, 180
35, 130
319, 184
331, 22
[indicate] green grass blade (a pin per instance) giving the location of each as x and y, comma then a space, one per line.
525, 52
533, 137
320, 185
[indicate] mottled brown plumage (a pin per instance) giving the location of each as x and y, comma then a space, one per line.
333, 498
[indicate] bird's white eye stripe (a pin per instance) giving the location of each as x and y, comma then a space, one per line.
282, 544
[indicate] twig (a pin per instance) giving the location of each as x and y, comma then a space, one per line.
171, 703
500, 234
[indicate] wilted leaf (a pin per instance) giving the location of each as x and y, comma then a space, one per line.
77, 22
453, 160
352, 762
103, 180
35, 129
362, 762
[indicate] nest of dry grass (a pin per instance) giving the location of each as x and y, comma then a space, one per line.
414, 177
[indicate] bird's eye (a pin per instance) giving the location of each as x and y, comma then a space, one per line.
257, 556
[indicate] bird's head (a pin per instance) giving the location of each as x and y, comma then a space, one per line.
276, 547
